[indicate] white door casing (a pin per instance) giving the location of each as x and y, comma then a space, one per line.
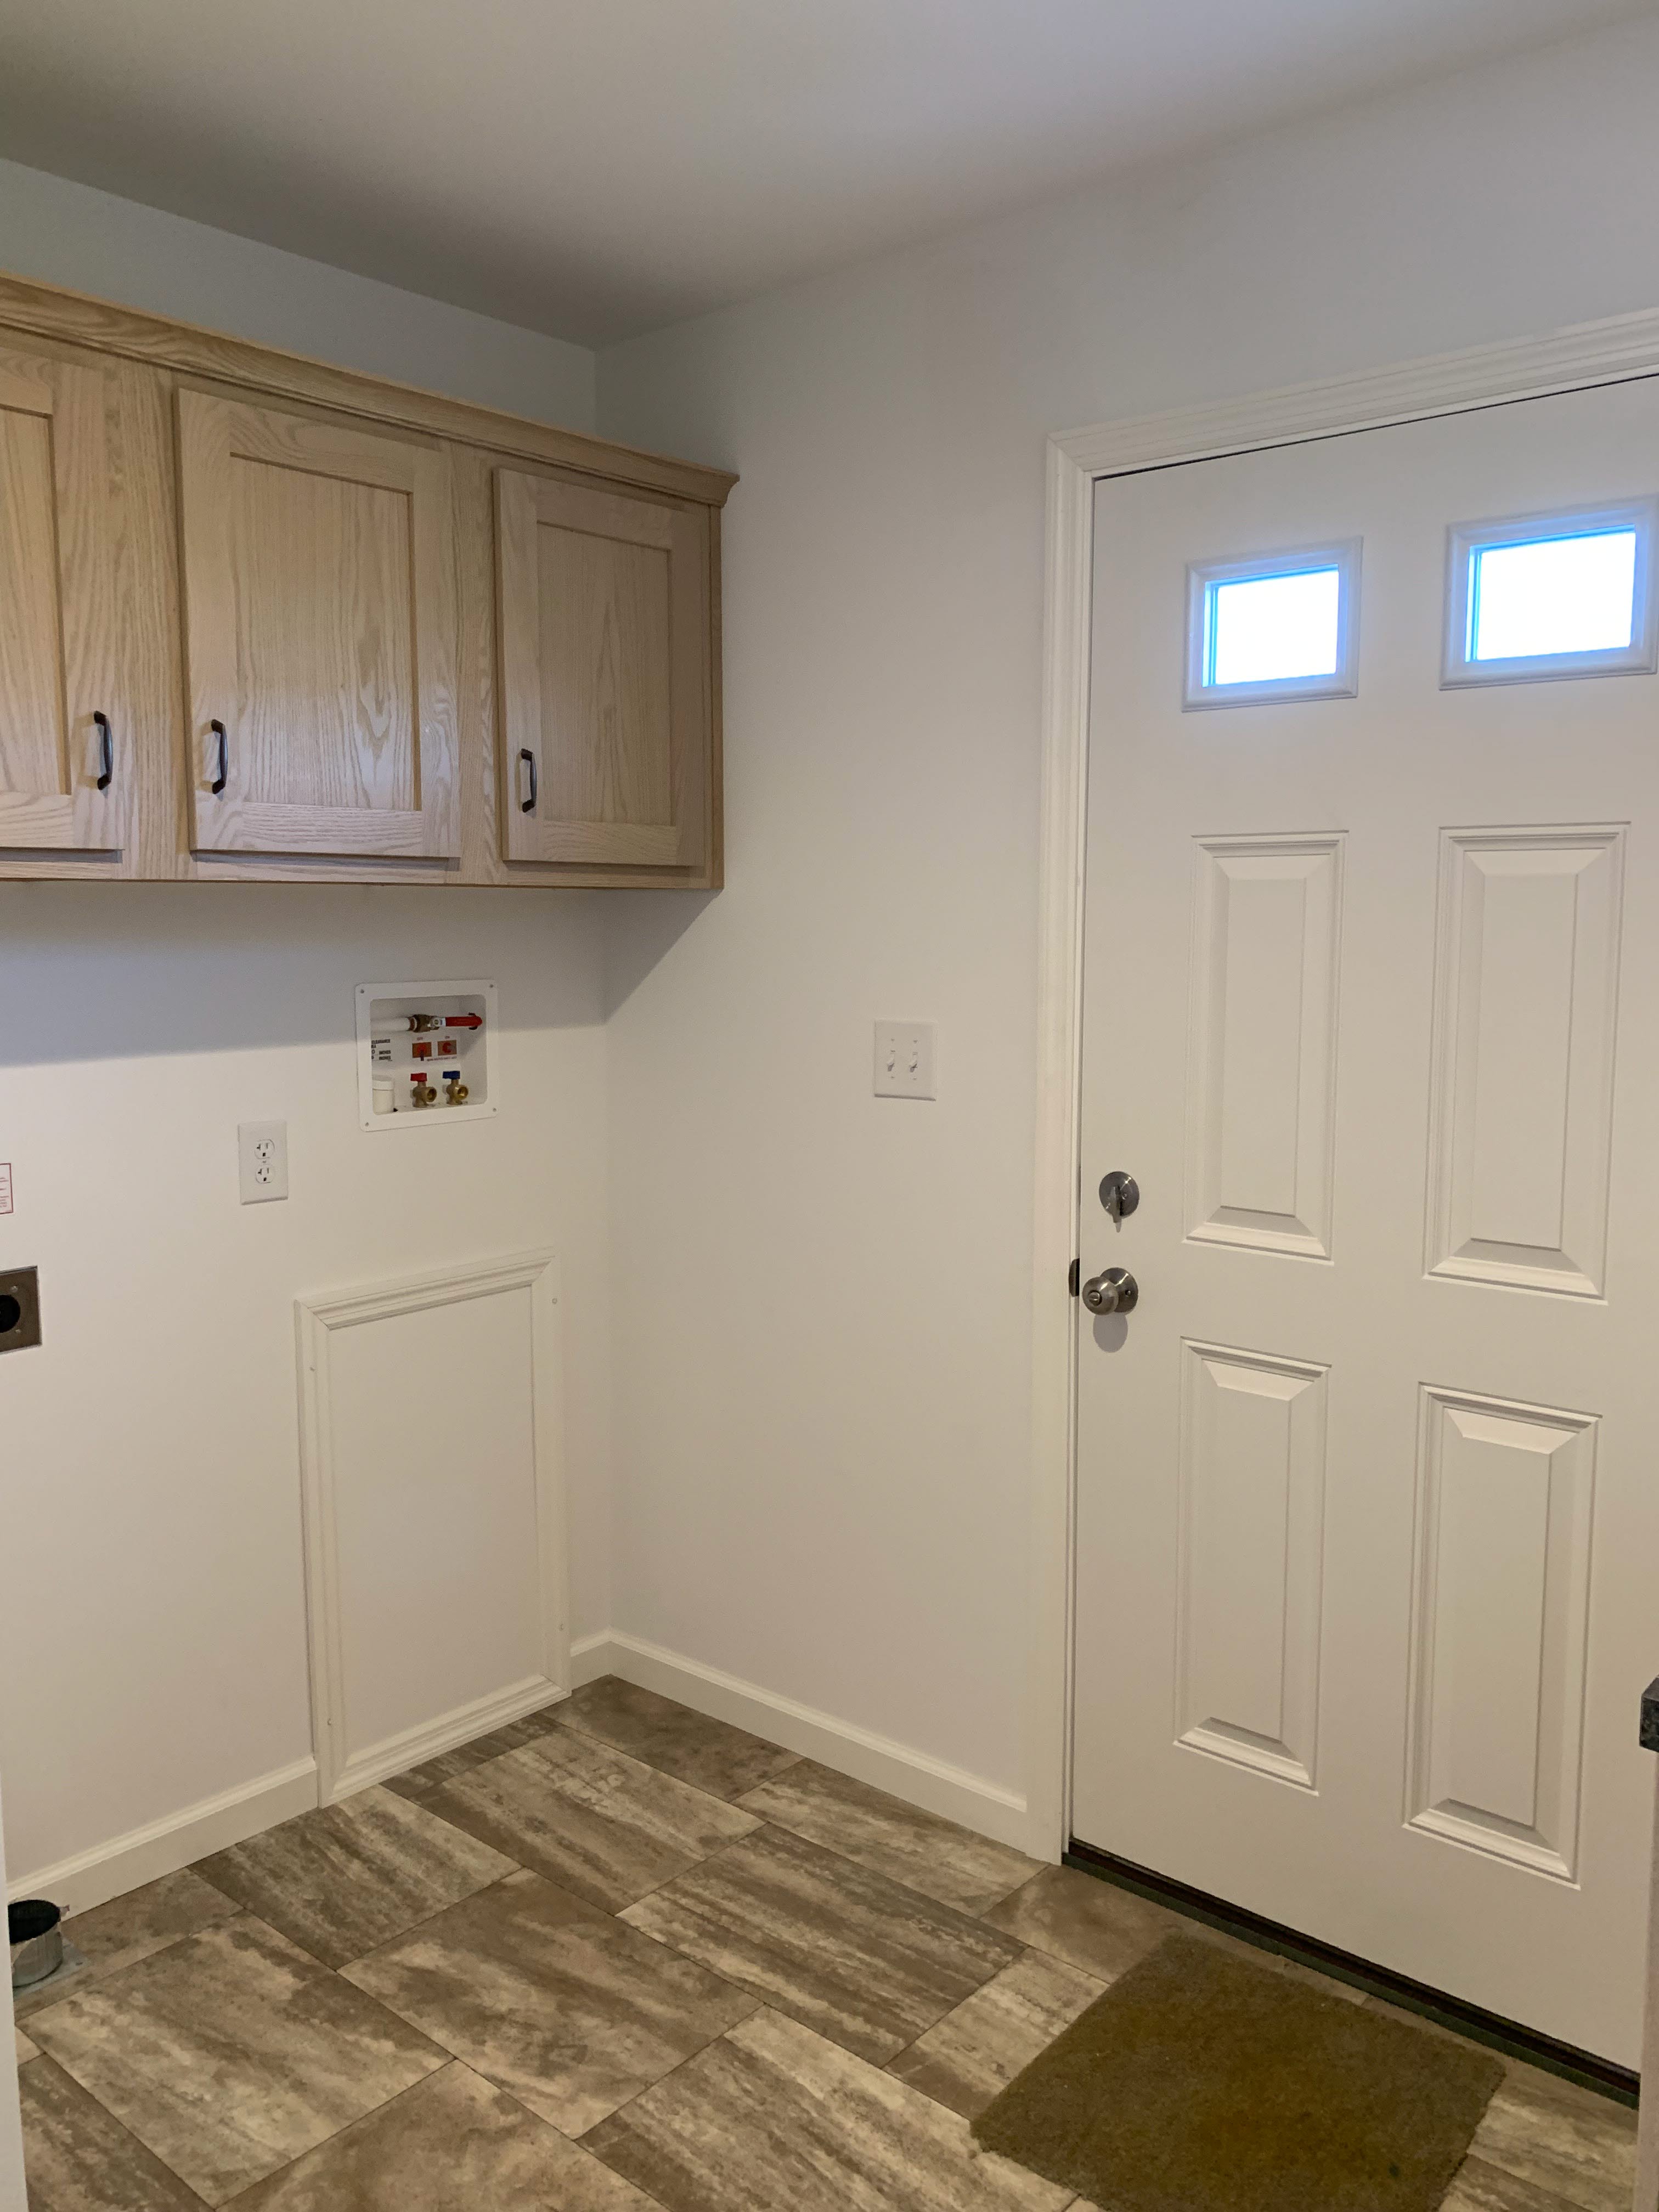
1360, 1623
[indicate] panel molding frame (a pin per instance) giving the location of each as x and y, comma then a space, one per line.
1311, 1240
1530, 1853
1237, 1749
74, 400
1614, 350
317, 1320
1443, 1257
524, 505
213, 433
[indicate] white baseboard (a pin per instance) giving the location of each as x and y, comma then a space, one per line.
412, 1747
163, 1847
903, 1771
592, 1656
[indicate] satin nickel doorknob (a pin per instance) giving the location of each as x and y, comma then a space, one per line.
1114, 1293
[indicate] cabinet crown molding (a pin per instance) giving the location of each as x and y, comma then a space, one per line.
47, 311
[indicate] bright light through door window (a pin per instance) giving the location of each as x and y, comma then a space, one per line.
1264, 630
1556, 595
1553, 595
1273, 626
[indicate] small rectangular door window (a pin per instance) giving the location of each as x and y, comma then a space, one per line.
320, 636
1552, 595
1273, 626
606, 711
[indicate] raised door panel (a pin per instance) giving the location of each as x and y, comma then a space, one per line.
604, 610
65, 749
1524, 1029
1501, 1619
1260, 1113
1250, 1568
320, 636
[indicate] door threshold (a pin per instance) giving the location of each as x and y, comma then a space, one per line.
1507, 2036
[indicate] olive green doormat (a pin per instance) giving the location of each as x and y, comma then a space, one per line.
1202, 2081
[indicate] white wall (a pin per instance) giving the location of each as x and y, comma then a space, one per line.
152, 1636
152, 1640
823, 1409
60, 233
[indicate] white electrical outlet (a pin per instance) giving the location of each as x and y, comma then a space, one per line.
905, 1060
262, 1154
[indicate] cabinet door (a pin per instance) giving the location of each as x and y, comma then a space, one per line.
602, 604
320, 635
65, 748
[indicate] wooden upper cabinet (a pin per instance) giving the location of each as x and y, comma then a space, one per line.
320, 636
66, 751
606, 713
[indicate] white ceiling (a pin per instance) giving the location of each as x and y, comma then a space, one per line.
593, 167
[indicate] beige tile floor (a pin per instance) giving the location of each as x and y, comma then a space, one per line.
615, 1956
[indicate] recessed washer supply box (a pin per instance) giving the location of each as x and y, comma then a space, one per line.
426, 1054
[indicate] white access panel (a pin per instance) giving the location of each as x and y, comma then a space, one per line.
413, 1038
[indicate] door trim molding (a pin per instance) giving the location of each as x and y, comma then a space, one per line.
340, 1772
1614, 351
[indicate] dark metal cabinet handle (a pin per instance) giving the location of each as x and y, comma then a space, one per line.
224, 776
528, 805
106, 751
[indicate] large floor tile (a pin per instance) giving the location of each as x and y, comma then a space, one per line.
453, 2143
1560, 2138
79, 2158
231, 2052
773, 2118
933, 1856
708, 1754
561, 2005
1092, 1924
25, 2049
590, 1818
1479, 2187
130, 1928
847, 1951
977, 2049
347, 1877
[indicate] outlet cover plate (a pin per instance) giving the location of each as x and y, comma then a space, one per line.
20, 1309
906, 1059
262, 1161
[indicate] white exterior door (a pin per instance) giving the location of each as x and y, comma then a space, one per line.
1368, 1515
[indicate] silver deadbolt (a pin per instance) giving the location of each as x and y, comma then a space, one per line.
1114, 1293
1120, 1193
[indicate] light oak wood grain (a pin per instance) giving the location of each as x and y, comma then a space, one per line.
310, 482
60, 633
605, 656
319, 627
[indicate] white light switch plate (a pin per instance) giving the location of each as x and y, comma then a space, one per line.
262, 1157
905, 1060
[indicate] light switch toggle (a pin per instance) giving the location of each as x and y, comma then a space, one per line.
905, 1057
